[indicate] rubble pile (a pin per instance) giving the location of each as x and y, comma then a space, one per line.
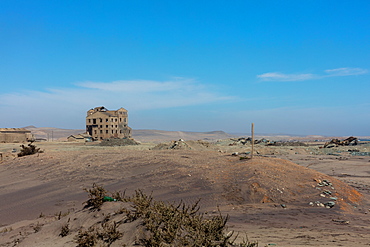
330, 199
346, 142
244, 141
183, 145
294, 144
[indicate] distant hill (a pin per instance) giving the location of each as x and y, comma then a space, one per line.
157, 136
53, 134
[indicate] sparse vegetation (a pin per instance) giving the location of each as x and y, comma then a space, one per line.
61, 215
166, 224
86, 238
65, 230
96, 197
104, 235
29, 149
6, 230
37, 227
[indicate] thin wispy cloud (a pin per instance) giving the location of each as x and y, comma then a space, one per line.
70, 103
138, 95
345, 71
277, 76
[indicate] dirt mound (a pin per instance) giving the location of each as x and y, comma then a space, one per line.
264, 180
181, 144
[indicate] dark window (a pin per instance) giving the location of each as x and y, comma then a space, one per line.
94, 121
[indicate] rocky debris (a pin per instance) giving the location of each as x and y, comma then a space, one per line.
346, 142
341, 221
291, 143
244, 141
118, 142
325, 194
183, 145
360, 153
328, 204
324, 183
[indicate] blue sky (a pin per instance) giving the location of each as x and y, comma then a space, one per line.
296, 67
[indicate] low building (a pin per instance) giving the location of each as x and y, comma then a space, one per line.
15, 135
79, 138
103, 124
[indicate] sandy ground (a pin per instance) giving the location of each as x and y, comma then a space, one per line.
267, 198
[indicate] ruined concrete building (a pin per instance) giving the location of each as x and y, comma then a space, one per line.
102, 123
18, 135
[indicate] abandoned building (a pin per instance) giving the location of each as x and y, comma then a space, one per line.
103, 124
15, 135
79, 138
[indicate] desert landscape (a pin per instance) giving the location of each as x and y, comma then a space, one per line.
292, 194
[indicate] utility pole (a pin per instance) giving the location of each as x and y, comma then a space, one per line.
252, 140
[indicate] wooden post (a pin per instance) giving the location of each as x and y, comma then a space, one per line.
252, 140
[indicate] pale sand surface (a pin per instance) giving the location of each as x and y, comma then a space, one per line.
251, 192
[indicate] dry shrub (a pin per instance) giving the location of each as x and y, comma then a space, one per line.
29, 149
104, 235
65, 230
167, 224
86, 238
180, 225
96, 197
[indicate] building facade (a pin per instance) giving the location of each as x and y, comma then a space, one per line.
103, 124
15, 135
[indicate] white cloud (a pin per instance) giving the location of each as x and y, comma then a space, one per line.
277, 76
65, 105
346, 71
